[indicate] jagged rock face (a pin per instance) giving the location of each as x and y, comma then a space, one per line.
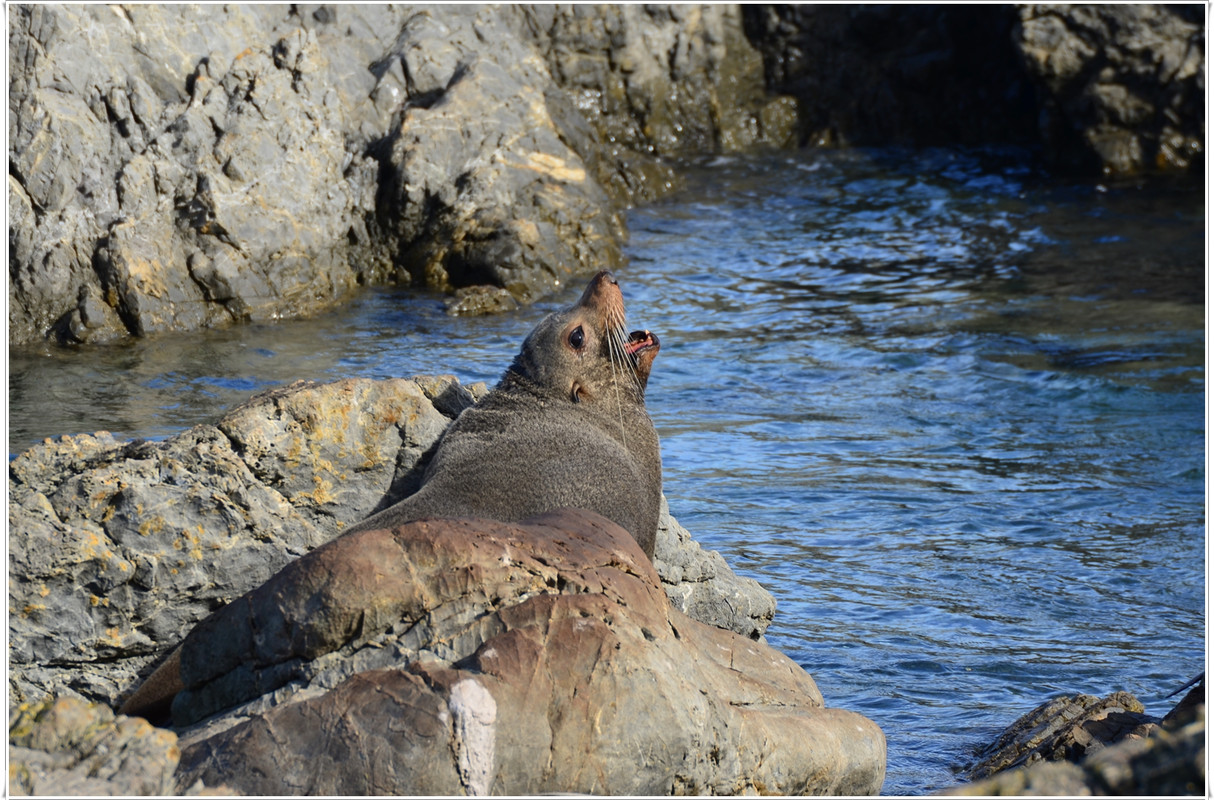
1083, 745
178, 168
67, 746
1122, 86
1100, 88
453, 656
117, 549
174, 167
1064, 728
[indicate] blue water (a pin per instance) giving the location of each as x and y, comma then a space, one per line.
949, 411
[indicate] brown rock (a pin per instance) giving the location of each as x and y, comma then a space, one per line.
1163, 762
1065, 729
454, 656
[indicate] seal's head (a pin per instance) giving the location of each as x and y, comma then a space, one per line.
584, 353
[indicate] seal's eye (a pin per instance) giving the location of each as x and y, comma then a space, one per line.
577, 338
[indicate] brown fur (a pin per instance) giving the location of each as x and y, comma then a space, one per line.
156, 693
565, 428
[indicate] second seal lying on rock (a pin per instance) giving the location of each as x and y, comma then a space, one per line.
565, 428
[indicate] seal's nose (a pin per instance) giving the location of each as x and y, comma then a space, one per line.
597, 291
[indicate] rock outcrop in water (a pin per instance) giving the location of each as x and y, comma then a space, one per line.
118, 549
178, 167
1115, 88
1084, 745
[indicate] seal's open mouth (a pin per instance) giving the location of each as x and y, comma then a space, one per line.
639, 341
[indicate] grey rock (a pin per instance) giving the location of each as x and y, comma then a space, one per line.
181, 167
457, 176
1122, 87
451, 656
664, 79
701, 585
67, 746
116, 549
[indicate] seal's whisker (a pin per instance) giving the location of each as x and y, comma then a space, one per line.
613, 356
617, 345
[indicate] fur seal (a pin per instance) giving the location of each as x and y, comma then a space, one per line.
566, 427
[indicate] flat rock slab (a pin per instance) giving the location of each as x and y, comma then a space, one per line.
471, 656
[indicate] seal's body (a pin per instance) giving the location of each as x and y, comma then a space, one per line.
565, 428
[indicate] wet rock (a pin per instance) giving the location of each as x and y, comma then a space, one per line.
475, 301
454, 656
1083, 745
116, 549
1165, 762
1122, 87
1065, 729
67, 746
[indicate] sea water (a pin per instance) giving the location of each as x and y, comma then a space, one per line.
948, 409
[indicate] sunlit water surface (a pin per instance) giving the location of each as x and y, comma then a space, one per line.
948, 411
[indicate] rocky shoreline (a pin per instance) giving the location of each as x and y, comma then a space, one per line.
1083, 745
119, 549
178, 168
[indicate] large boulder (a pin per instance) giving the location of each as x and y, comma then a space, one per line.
181, 167
483, 184
117, 549
470, 656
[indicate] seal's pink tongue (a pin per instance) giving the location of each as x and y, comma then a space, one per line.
639, 340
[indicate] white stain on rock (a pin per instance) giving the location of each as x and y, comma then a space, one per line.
475, 723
